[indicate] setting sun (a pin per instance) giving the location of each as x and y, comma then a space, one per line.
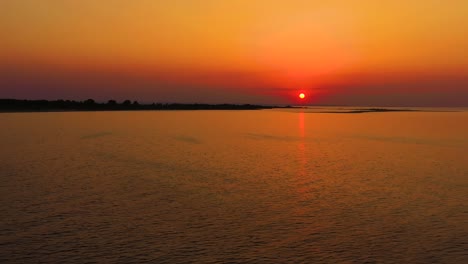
302, 95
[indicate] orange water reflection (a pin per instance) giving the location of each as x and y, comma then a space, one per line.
302, 158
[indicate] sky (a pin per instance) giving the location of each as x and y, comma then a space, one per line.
363, 52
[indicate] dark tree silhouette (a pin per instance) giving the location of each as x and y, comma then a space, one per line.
89, 102
13, 105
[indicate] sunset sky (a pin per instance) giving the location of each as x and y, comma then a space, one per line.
363, 52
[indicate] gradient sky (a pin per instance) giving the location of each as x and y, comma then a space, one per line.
363, 52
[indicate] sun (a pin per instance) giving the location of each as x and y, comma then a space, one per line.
302, 95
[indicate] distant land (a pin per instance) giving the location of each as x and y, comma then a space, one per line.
14, 105
367, 110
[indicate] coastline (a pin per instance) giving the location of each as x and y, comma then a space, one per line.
45, 106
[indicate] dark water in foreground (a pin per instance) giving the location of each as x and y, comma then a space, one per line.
234, 186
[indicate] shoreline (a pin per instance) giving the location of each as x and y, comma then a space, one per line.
45, 106
354, 111
22, 106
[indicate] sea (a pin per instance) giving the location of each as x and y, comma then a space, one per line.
307, 185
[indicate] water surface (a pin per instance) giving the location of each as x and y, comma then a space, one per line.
234, 186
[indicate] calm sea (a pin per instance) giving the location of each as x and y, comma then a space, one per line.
267, 186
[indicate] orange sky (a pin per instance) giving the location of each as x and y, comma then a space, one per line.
337, 52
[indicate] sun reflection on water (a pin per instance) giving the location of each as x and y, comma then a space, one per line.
302, 147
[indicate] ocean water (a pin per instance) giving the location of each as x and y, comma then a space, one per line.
266, 186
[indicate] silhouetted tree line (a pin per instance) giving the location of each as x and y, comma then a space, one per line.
112, 105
